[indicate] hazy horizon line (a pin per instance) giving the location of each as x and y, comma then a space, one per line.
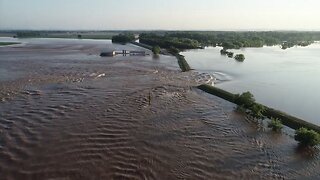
101, 30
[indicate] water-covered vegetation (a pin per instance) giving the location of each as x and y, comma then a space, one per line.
178, 41
307, 137
226, 52
230, 54
275, 124
239, 57
156, 50
247, 101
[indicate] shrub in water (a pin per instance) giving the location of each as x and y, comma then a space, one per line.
257, 111
245, 99
275, 124
174, 50
223, 52
307, 137
156, 50
241, 109
239, 57
230, 54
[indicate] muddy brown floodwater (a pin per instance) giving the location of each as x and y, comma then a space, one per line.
67, 113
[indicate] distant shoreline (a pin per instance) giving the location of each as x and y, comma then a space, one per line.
5, 44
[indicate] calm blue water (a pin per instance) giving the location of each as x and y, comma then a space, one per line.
288, 80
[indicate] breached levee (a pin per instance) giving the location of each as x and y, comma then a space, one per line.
129, 118
183, 63
142, 45
184, 66
286, 119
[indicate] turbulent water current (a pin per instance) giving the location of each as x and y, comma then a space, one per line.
66, 113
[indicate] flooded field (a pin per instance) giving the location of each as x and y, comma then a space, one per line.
283, 79
66, 113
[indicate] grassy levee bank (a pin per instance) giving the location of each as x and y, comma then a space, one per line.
290, 121
218, 92
286, 119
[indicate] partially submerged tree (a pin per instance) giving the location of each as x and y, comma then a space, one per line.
230, 54
156, 50
307, 137
174, 51
257, 111
223, 52
275, 124
239, 57
247, 101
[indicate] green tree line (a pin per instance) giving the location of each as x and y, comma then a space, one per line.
168, 42
228, 39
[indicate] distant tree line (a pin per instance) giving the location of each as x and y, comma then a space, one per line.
168, 42
123, 38
228, 39
64, 34
193, 39
28, 34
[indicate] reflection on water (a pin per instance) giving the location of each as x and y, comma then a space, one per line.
284, 79
76, 115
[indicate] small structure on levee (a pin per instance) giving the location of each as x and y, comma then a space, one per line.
124, 53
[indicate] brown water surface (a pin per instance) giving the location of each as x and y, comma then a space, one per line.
69, 114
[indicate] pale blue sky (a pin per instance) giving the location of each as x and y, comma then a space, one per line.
160, 14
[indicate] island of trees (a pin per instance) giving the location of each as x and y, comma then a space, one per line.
239, 57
